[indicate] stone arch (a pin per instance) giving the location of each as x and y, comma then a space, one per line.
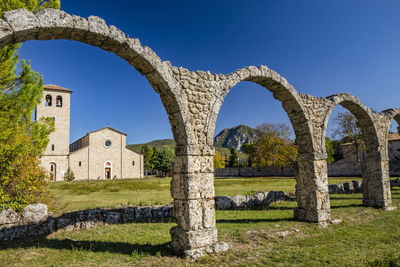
312, 184
21, 25
392, 114
365, 116
375, 128
281, 90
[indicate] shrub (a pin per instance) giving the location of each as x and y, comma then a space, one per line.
69, 175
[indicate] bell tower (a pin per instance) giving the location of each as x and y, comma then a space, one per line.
55, 104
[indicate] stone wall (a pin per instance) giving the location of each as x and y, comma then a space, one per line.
337, 169
286, 171
35, 220
354, 187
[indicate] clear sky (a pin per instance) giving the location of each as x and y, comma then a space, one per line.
320, 47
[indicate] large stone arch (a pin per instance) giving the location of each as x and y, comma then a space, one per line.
196, 232
376, 187
312, 183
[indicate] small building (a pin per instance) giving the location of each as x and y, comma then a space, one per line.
100, 154
349, 151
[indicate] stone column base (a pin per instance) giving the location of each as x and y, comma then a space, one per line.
380, 204
195, 243
322, 217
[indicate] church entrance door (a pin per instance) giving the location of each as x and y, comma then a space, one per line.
107, 174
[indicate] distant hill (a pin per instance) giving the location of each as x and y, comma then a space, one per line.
155, 143
236, 137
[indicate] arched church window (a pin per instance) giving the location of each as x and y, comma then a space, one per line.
48, 100
52, 147
80, 163
59, 101
133, 163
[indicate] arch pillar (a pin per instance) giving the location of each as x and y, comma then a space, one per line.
312, 192
192, 185
192, 188
376, 183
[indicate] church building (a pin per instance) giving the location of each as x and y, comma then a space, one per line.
100, 154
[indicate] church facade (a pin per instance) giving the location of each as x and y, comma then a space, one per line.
100, 154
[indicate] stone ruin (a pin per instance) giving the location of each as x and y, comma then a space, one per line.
193, 99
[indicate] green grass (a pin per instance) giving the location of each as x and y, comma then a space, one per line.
366, 237
72, 196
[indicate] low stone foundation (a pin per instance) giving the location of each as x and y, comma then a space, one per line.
249, 201
35, 220
354, 187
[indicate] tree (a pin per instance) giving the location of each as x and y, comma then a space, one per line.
69, 175
233, 160
163, 160
219, 160
329, 151
147, 157
274, 147
22, 180
349, 130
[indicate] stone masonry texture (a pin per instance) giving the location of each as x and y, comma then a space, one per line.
193, 99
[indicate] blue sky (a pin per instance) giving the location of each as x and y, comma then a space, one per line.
321, 47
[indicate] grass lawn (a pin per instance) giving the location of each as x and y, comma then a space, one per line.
115, 193
366, 237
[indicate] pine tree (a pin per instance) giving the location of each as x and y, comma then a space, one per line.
233, 160
22, 141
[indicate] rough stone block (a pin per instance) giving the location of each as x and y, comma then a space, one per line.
188, 214
54, 24
6, 33
24, 24
98, 31
239, 201
63, 222
192, 186
113, 217
9, 216
115, 40
44, 228
193, 164
34, 213
208, 213
130, 49
223, 203
187, 240
79, 29
146, 62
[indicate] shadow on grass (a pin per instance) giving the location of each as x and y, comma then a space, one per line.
93, 246
255, 220
345, 198
347, 206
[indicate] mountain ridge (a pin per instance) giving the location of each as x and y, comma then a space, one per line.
227, 138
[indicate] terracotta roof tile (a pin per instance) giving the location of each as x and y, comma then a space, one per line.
56, 87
